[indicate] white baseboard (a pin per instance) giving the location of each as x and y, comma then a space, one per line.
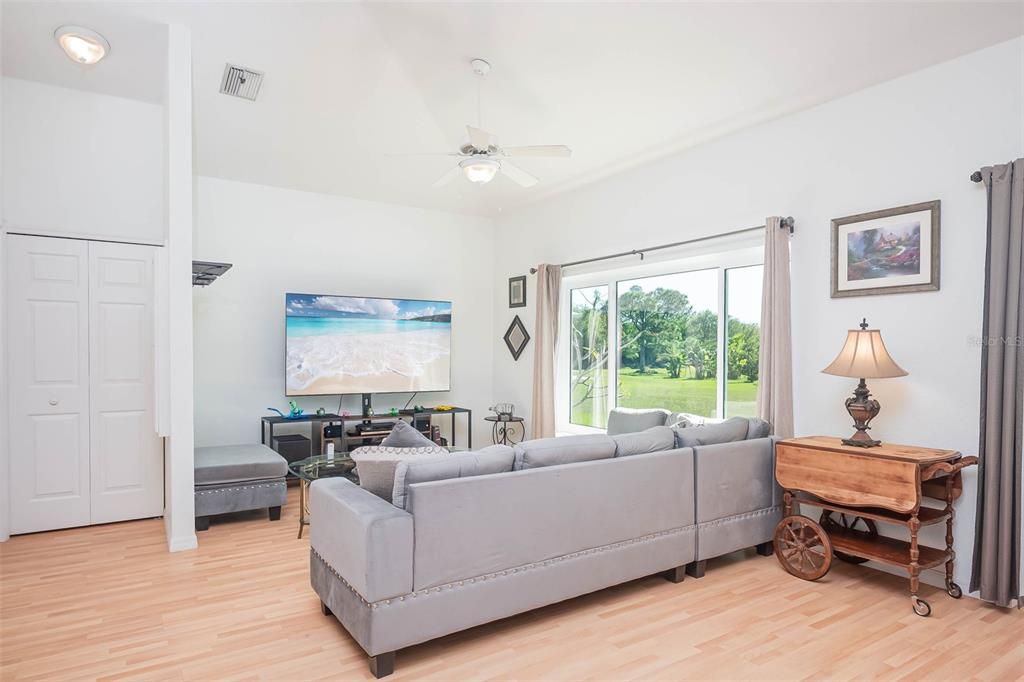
182, 543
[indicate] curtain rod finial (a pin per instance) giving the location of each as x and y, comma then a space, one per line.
788, 223
533, 271
976, 176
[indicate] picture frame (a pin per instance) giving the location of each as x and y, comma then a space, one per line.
516, 338
892, 251
517, 292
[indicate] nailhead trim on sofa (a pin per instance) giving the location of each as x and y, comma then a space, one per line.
498, 574
739, 517
229, 488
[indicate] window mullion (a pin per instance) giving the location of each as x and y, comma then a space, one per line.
721, 374
613, 344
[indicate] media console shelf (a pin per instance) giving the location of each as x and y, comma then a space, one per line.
349, 441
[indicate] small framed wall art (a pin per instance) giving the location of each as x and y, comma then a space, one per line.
517, 292
516, 338
893, 251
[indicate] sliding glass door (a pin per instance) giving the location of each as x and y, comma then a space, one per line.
668, 342
682, 336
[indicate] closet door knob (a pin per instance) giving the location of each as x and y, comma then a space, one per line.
54, 402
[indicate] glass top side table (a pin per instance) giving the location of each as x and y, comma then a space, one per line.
317, 467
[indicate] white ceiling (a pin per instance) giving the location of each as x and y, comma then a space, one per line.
348, 84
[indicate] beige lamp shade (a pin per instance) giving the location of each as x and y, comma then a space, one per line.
864, 356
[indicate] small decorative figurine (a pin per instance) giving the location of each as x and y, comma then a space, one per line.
295, 412
320, 411
503, 411
393, 412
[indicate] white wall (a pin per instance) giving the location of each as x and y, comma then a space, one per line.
79, 163
288, 241
913, 139
5, 508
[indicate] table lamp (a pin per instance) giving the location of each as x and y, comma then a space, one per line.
863, 357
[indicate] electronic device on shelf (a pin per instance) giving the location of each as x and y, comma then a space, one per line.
374, 426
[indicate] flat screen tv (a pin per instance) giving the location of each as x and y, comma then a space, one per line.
342, 344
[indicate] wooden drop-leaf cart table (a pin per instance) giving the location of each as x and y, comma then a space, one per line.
856, 488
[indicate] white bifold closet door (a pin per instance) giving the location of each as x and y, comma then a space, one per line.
126, 472
83, 446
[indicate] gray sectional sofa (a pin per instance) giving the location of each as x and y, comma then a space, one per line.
475, 537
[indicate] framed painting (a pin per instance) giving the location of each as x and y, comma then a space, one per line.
894, 251
517, 292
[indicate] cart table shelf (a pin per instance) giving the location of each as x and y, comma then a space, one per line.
855, 487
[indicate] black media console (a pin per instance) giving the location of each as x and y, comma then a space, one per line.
355, 430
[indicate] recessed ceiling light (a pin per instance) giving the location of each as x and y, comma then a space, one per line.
82, 45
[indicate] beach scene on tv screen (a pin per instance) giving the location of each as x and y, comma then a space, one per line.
343, 344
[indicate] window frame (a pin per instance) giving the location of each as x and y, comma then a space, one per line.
722, 260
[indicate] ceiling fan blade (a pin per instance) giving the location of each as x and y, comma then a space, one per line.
518, 175
422, 154
448, 177
481, 139
537, 150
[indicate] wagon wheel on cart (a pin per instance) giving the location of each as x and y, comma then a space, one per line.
857, 524
802, 547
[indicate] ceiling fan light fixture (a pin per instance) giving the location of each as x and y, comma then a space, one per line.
81, 45
479, 170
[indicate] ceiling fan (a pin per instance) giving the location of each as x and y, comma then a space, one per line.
482, 157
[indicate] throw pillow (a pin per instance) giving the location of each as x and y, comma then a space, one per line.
404, 435
628, 420
545, 452
376, 465
758, 428
684, 419
495, 459
654, 439
729, 431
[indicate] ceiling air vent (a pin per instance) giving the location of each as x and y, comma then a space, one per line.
241, 82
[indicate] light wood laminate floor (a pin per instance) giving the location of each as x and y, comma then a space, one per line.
109, 602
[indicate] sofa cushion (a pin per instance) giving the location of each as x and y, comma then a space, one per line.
729, 431
376, 465
758, 428
405, 435
545, 452
654, 439
237, 463
628, 420
495, 459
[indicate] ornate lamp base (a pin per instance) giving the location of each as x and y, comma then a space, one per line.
863, 409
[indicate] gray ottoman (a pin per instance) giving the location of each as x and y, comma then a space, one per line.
233, 478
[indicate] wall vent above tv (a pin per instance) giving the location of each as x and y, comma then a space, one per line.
239, 81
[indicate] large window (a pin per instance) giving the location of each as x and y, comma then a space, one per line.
683, 337
588, 351
743, 331
668, 342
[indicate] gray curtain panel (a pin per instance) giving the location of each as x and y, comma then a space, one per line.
775, 381
996, 568
545, 339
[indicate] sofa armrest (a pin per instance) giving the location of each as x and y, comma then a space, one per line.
735, 478
366, 540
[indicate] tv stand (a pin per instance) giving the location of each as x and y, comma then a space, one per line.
350, 441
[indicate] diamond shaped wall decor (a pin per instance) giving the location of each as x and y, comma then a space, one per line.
516, 338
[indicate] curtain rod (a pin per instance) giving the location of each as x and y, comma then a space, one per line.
786, 222
976, 176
